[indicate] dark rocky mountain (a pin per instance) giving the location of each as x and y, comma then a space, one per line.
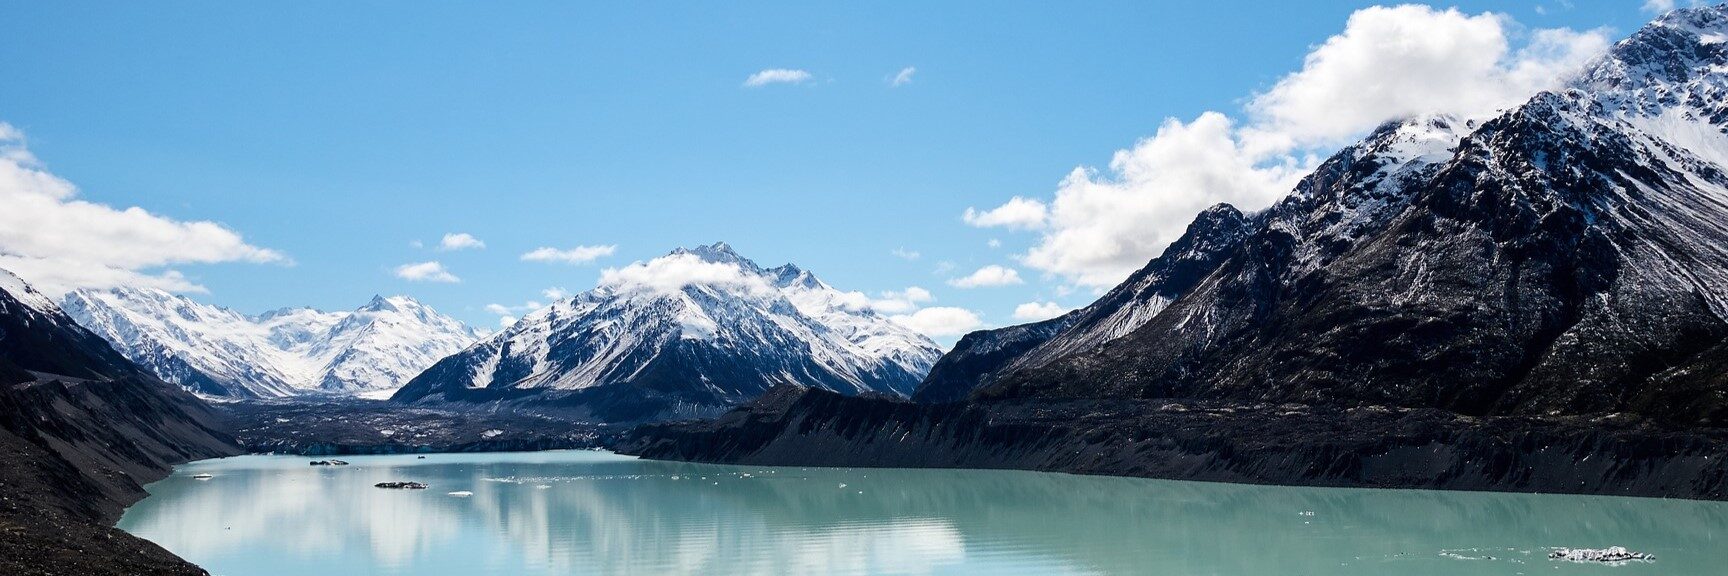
1556, 276
81, 431
690, 333
978, 358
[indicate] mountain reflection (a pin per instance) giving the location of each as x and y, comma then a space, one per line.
593, 513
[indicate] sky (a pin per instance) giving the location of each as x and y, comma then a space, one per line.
1010, 160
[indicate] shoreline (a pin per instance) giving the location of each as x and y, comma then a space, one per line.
1255, 445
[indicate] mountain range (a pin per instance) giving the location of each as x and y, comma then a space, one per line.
688, 333
218, 352
1509, 296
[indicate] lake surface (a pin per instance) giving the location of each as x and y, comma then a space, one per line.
581, 512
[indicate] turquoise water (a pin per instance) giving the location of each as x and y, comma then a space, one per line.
599, 513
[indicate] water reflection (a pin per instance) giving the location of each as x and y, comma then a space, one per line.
593, 513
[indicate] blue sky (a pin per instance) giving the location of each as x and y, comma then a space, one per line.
337, 135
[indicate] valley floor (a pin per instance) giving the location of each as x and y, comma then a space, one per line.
328, 427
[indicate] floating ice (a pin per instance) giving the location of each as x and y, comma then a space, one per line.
1614, 555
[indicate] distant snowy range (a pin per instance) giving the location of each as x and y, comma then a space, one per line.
220, 353
689, 333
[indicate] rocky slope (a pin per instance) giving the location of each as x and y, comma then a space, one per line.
1553, 276
82, 430
686, 334
218, 352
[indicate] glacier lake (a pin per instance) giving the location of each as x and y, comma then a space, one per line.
584, 512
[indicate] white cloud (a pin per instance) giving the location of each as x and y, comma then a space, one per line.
903, 301
672, 273
777, 76
1387, 63
1407, 60
577, 255
426, 272
905, 254
1104, 228
1018, 213
903, 77
988, 276
1660, 6
940, 321
555, 293
1035, 311
994, 243
506, 321
59, 243
460, 241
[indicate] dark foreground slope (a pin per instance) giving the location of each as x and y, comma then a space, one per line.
1535, 302
78, 448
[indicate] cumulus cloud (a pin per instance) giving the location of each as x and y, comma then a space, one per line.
426, 272
1388, 63
460, 241
1035, 311
577, 255
988, 276
1407, 60
555, 293
905, 254
903, 77
668, 274
506, 321
59, 243
777, 76
1018, 213
940, 321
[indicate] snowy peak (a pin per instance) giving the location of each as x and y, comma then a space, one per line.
219, 352
704, 325
24, 293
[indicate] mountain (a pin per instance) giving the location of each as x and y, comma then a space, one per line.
687, 333
222, 353
81, 431
1545, 290
1561, 259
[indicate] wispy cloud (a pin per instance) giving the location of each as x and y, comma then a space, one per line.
777, 76
460, 241
903, 77
905, 254
426, 272
576, 255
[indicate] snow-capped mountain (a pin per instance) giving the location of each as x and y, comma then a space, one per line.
691, 331
36, 335
219, 352
1567, 256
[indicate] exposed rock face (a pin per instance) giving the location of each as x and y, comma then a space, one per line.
81, 431
1556, 276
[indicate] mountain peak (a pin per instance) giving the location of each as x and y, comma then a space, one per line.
717, 253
